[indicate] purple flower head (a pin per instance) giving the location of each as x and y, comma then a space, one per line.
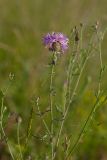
56, 42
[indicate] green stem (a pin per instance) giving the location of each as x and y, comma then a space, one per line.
18, 141
29, 127
81, 37
2, 129
51, 104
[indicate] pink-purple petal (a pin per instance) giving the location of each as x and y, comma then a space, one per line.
49, 39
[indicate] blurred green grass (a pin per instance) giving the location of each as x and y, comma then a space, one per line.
22, 25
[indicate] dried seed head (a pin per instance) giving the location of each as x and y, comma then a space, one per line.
81, 24
76, 34
18, 119
29, 157
11, 76
97, 25
56, 46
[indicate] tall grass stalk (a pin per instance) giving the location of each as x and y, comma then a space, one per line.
18, 140
69, 83
92, 112
2, 129
29, 128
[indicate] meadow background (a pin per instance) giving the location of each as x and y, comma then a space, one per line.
22, 25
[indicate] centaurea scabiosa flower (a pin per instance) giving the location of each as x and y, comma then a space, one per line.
56, 42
